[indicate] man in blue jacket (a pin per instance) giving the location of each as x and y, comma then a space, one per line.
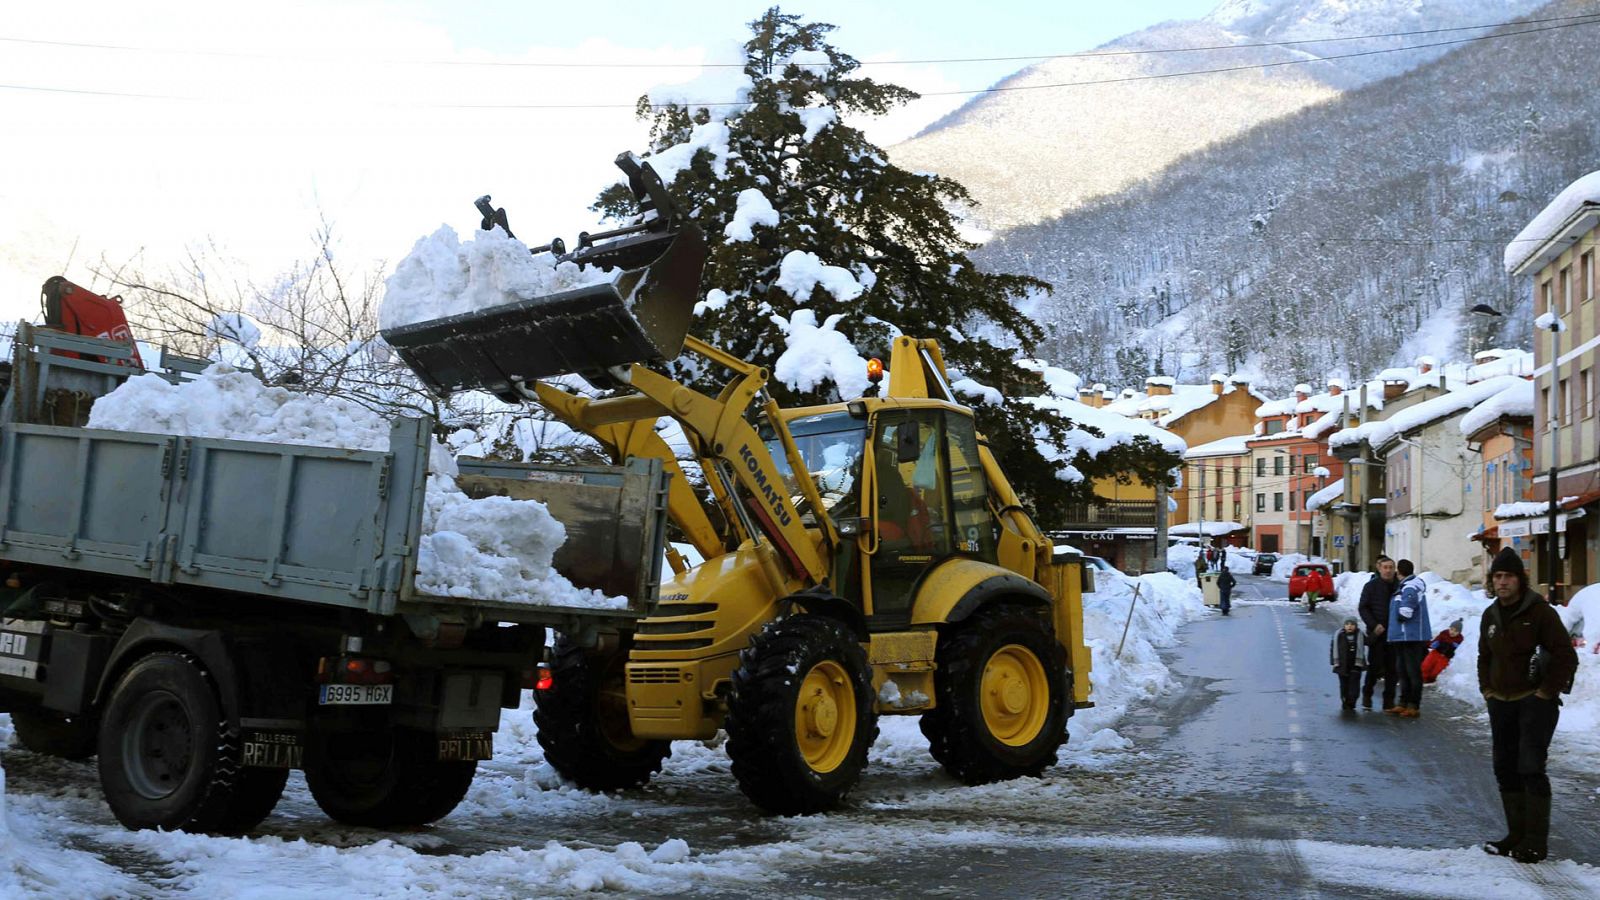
1409, 632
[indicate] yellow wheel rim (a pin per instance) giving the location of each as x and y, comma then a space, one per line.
825, 716
1015, 695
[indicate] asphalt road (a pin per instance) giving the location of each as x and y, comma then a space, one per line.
1245, 779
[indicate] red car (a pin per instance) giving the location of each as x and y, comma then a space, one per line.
1311, 576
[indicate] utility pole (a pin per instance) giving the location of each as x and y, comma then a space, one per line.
1201, 521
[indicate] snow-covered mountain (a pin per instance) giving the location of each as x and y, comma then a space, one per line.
1030, 150
1338, 239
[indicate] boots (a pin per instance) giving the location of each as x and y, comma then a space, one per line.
1535, 845
1515, 805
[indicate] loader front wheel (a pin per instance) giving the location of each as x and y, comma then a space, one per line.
582, 719
800, 716
1001, 690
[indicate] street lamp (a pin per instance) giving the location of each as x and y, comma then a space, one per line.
1552, 323
1482, 310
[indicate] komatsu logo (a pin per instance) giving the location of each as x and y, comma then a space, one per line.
13, 644
775, 500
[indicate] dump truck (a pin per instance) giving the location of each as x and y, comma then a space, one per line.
861, 558
205, 615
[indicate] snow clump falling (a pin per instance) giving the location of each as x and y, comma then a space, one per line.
494, 548
443, 276
817, 355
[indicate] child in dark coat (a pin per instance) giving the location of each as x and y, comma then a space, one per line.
1441, 650
1348, 654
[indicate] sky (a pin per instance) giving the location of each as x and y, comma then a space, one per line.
252, 125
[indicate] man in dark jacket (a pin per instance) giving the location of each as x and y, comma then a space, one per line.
1525, 662
1225, 583
1374, 610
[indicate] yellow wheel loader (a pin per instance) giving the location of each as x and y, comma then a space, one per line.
861, 559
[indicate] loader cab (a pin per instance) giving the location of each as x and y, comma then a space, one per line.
931, 503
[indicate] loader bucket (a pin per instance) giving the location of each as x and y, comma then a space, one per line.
642, 316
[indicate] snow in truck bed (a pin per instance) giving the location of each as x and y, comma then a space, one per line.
491, 549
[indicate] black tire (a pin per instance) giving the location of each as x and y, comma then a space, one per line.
775, 686
254, 798
53, 734
384, 777
960, 736
583, 722
168, 759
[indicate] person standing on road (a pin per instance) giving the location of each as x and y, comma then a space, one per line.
1525, 662
1348, 654
1409, 632
1200, 570
1374, 611
1225, 583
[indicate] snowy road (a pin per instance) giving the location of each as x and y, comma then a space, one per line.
1245, 778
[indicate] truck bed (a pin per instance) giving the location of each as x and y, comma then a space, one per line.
317, 525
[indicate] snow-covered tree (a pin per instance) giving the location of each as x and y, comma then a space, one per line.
808, 219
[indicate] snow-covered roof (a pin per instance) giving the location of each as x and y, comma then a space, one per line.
1325, 402
1515, 400
1443, 406
1505, 362
1532, 245
1161, 380
1325, 496
1210, 529
1116, 430
1228, 446
1523, 509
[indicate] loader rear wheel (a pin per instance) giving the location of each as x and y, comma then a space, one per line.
800, 716
168, 759
583, 722
385, 777
67, 737
1002, 706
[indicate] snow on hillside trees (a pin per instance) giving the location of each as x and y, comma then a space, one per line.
870, 250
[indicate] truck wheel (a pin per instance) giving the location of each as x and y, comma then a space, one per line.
254, 798
800, 716
385, 777
583, 722
167, 758
67, 737
1001, 707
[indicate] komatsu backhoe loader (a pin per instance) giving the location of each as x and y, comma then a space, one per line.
861, 559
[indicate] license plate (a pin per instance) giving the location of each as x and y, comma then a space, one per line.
356, 694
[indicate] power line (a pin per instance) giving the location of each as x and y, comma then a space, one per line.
1091, 54
1589, 20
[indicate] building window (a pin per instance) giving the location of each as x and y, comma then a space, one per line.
1274, 426
1291, 501
1566, 401
1586, 275
1238, 476
1586, 400
1261, 467
1566, 290
1277, 465
1261, 503
1277, 502
1219, 509
1546, 294
1310, 463
1544, 407
1238, 510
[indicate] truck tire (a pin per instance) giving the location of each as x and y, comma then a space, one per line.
385, 777
801, 716
168, 758
1001, 706
52, 734
582, 720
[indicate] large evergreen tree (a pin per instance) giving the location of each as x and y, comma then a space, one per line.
892, 234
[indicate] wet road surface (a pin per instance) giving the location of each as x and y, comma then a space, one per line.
1245, 779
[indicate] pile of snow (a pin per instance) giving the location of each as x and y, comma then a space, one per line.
442, 276
1535, 234
1209, 528
495, 548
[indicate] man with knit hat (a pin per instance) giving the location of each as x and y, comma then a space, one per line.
1525, 662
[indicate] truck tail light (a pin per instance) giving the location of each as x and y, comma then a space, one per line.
539, 678
354, 670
